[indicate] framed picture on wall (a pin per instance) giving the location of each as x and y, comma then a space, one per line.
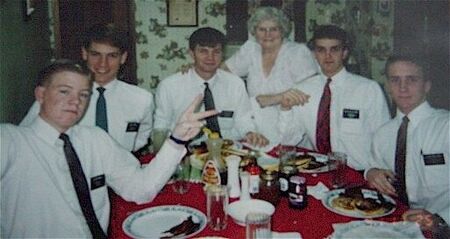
182, 13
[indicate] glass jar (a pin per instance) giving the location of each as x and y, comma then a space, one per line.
286, 171
269, 187
298, 197
214, 146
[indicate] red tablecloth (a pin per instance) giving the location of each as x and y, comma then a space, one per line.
313, 222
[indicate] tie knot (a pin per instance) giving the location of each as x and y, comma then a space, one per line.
101, 90
206, 84
329, 80
64, 137
405, 119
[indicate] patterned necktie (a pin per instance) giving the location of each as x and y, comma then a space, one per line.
81, 188
323, 121
208, 100
400, 161
101, 119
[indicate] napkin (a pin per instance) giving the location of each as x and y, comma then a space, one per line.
318, 191
376, 229
286, 235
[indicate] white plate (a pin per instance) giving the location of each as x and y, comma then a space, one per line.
326, 201
376, 229
266, 162
153, 222
319, 158
264, 149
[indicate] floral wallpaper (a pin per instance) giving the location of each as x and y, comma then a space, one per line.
162, 50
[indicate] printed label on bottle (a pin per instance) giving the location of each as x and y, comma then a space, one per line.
210, 174
254, 184
284, 184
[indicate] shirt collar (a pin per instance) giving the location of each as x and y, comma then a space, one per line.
45, 131
338, 77
417, 114
108, 86
200, 80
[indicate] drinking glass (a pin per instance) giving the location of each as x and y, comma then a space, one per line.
181, 176
257, 226
216, 206
338, 160
158, 138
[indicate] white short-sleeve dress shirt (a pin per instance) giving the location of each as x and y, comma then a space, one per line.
129, 111
176, 92
38, 196
428, 176
293, 64
358, 108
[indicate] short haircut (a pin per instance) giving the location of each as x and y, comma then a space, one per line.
206, 36
106, 34
44, 77
414, 59
330, 32
272, 14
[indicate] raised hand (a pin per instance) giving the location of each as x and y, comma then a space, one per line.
190, 123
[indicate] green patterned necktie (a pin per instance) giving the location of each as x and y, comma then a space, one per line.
101, 119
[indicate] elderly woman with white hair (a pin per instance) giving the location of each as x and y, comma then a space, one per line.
272, 65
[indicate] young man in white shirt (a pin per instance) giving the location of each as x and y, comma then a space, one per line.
228, 90
40, 196
129, 108
426, 171
356, 105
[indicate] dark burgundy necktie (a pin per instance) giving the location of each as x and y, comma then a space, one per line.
323, 121
400, 161
81, 187
208, 100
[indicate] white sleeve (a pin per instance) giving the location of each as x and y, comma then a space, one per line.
302, 64
290, 128
244, 115
33, 112
239, 62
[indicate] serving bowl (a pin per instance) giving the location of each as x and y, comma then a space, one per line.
238, 210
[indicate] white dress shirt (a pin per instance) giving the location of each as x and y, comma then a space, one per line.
175, 93
385, 138
129, 111
428, 178
358, 107
38, 197
294, 63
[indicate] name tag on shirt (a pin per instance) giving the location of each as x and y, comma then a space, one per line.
226, 114
350, 114
97, 181
133, 126
433, 159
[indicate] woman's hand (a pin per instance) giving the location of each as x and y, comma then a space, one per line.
256, 139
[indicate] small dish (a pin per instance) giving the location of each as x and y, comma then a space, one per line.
238, 210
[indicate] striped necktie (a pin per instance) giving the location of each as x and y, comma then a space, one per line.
323, 121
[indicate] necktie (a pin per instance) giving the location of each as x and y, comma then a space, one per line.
323, 121
400, 161
101, 119
81, 188
208, 100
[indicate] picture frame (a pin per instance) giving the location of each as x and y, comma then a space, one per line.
182, 13
384, 7
28, 7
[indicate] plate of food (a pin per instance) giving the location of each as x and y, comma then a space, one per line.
200, 152
376, 229
311, 163
171, 221
359, 203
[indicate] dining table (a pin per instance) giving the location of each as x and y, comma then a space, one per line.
314, 221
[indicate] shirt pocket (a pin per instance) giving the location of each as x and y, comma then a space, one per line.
436, 174
351, 126
226, 123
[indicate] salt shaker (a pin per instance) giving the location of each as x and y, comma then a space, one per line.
233, 175
245, 178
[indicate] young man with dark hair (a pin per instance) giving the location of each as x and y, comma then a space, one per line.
411, 150
344, 109
124, 111
54, 173
222, 90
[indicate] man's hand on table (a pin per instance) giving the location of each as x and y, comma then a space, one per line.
256, 139
381, 180
428, 222
190, 123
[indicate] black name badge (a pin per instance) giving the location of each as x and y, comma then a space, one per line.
133, 127
226, 114
97, 181
350, 114
433, 159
